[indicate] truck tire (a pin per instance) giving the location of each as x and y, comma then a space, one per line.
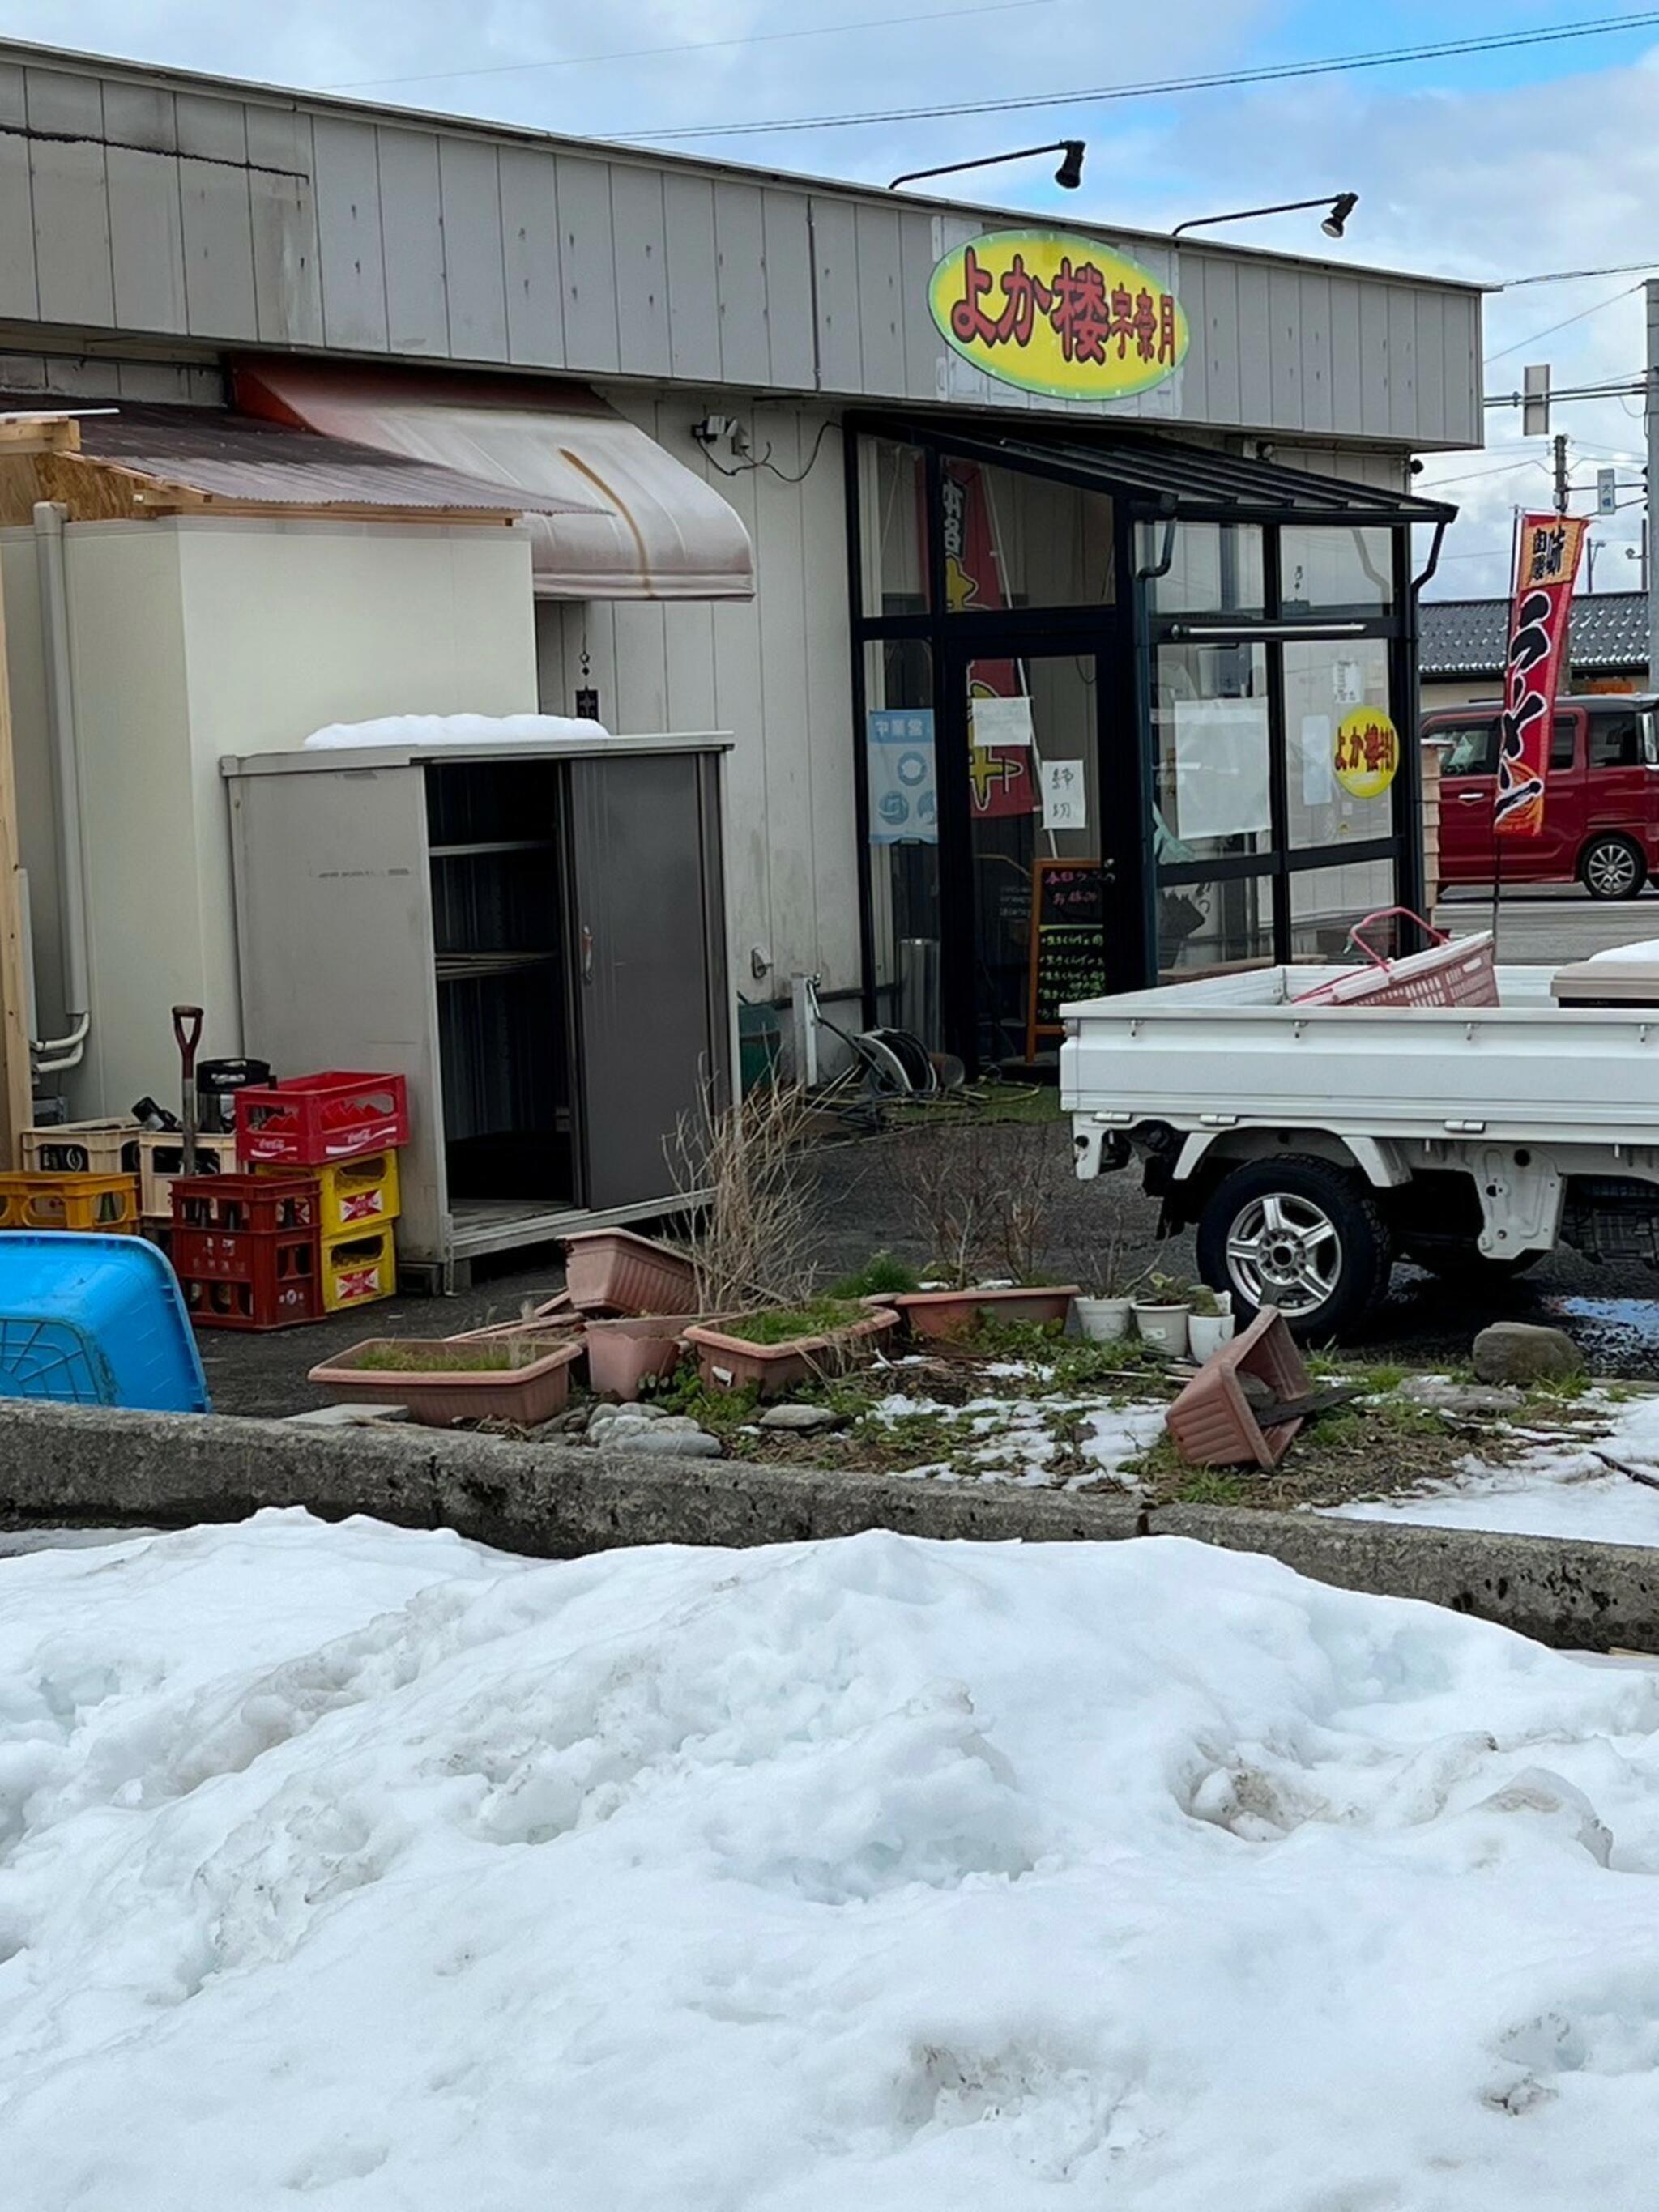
1612, 866
1300, 1234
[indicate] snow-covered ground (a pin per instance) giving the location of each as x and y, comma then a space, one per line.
1559, 1489
371, 1869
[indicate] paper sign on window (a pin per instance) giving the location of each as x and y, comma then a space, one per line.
1000, 722
1065, 795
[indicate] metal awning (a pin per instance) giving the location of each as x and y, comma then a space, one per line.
1160, 476
632, 522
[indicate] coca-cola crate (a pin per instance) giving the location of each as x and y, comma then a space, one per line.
248, 1205
312, 1120
249, 1278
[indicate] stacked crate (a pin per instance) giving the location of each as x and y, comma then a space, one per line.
75, 1174
332, 1138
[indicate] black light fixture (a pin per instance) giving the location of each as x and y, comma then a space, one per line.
1068, 176
1342, 205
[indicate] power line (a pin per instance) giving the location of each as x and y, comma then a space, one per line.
1388, 57
1565, 276
691, 46
1567, 322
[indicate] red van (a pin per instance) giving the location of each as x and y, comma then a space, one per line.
1600, 810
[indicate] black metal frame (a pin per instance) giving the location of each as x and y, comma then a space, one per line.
1123, 638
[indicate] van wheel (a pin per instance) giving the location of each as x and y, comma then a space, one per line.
1300, 1234
1613, 868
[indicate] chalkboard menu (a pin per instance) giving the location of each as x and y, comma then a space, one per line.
1068, 954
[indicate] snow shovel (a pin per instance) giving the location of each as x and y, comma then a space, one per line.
187, 1034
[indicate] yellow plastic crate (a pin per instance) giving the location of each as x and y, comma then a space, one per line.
357, 1195
106, 1203
359, 1268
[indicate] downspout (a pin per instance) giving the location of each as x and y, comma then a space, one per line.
54, 1052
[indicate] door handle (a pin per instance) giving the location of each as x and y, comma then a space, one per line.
588, 954
1472, 798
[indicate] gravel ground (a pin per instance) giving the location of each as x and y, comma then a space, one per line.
866, 1201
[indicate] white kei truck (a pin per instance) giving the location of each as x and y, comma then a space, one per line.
1313, 1142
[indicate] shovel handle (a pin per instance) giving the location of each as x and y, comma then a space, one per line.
187, 1034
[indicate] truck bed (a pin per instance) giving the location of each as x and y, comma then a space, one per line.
1231, 1050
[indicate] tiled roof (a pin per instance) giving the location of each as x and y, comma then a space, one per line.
1466, 637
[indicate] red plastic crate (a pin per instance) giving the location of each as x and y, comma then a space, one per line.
248, 1205
311, 1121
249, 1278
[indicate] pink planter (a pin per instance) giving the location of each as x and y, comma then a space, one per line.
436, 1396
731, 1363
954, 1313
621, 1354
613, 1267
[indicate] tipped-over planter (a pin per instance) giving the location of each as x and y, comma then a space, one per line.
614, 1270
1213, 1423
437, 1395
954, 1313
552, 1318
732, 1362
622, 1353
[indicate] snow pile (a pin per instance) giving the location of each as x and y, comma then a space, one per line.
416, 733
374, 1870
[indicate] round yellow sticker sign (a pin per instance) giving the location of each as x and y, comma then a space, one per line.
1367, 752
1058, 314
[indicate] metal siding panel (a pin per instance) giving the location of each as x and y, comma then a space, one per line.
69, 193
13, 99
1431, 357
740, 259
1192, 385
835, 241
642, 276
474, 270
530, 232
19, 295
1284, 348
218, 229
351, 261
287, 289
1318, 410
1402, 360
211, 126
829, 706
1465, 366
412, 240
776, 530
1220, 340
1372, 420
739, 630
881, 302
1348, 380
587, 263
147, 240
65, 105
140, 116
694, 321
923, 346
787, 232
279, 138
1255, 388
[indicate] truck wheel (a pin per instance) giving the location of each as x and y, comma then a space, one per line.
1612, 868
1300, 1234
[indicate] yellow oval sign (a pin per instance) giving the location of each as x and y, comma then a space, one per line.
1058, 314
1367, 752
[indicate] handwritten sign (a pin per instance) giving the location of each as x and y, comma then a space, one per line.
1068, 942
1058, 314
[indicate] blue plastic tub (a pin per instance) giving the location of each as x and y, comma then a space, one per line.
95, 1320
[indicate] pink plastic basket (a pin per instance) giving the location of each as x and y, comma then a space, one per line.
1453, 972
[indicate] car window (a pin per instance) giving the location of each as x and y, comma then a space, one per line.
1563, 742
1615, 741
1470, 751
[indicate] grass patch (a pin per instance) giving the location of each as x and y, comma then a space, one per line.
447, 1358
782, 1325
881, 1276
1213, 1486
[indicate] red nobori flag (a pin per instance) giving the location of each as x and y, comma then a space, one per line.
1545, 565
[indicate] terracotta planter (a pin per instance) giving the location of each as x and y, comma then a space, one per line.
622, 1353
1213, 1423
614, 1269
954, 1313
731, 1363
552, 1317
436, 1396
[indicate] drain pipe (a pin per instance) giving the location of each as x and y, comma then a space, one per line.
54, 1052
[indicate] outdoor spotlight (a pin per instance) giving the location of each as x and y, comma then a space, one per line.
1069, 174
1342, 208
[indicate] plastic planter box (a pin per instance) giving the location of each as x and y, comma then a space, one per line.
1213, 1423
623, 1353
732, 1362
614, 1268
953, 1314
438, 1396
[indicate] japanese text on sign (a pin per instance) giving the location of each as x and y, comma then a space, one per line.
1367, 752
1065, 316
1546, 562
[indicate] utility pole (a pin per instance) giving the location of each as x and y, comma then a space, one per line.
1650, 566
1560, 472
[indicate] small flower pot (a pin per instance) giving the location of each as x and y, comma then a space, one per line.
612, 1270
1207, 1333
438, 1395
1165, 1327
1104, 1321
732, 1362
623, 1353
956, 1313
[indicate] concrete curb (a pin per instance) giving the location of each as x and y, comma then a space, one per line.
68, 1466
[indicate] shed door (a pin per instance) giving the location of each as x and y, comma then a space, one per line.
650, 985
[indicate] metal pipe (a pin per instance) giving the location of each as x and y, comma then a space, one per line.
49, 520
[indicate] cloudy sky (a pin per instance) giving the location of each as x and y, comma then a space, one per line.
1492, 167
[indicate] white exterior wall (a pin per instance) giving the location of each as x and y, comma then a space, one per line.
190, 639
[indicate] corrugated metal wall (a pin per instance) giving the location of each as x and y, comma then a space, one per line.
128, 203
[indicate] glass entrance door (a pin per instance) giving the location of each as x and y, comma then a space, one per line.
1032, 908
